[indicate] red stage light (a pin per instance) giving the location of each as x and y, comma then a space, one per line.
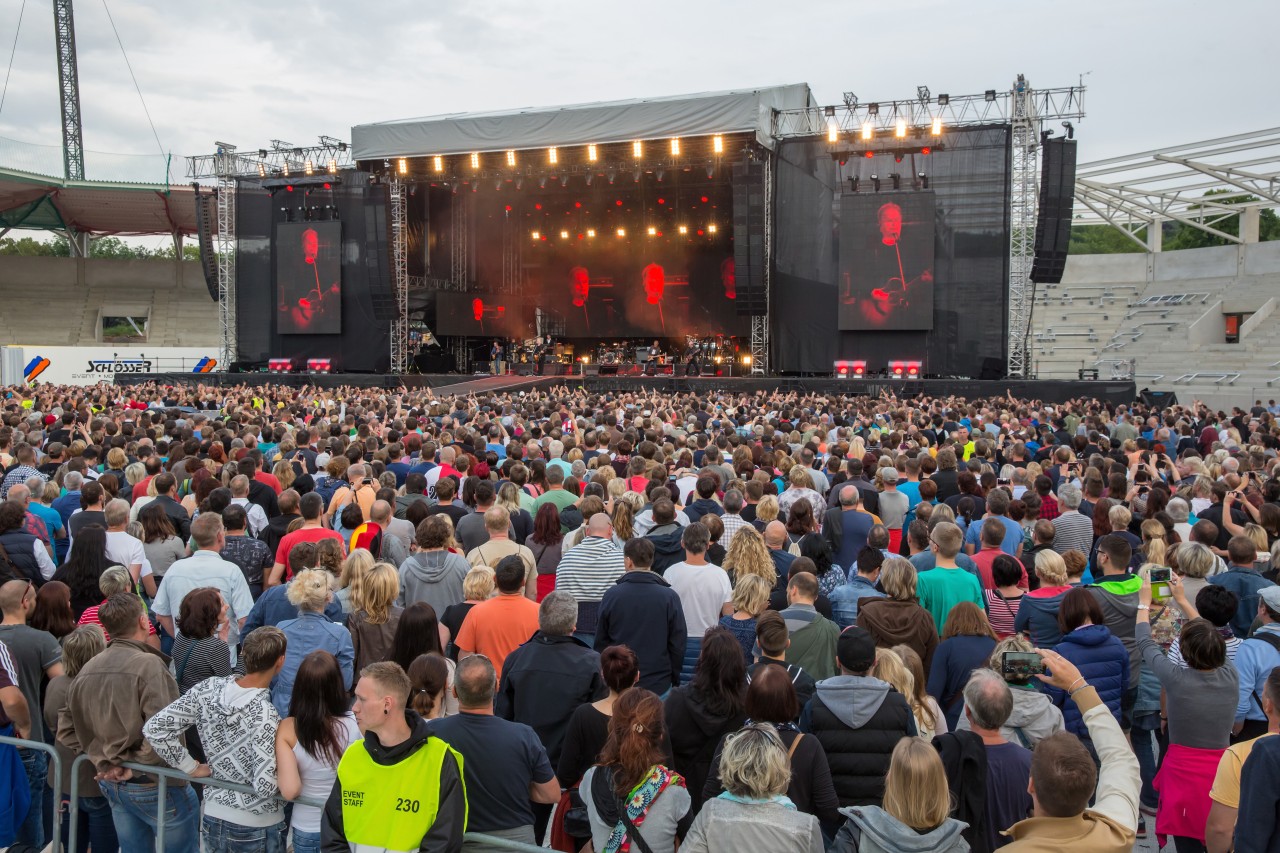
704, 199
577, 204
537, 207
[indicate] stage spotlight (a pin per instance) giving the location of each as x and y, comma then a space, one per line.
873, 109
711, 229
403, 166
537, 235
683, 229
897, 180
564, 235
653, 232
867, 131
309, 167
936, 128
833, 133
990, 95
943, 100
333, 166
438, 163
262, 170
591, 153
900, 129
622, 232
637, 149
553, 156
475, 161
511, 158
828, 111
675, 146
591, 233
717, 144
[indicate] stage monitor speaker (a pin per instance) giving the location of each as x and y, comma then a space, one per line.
1158, 399
992, 368
1053, 221
749, 237
204, 237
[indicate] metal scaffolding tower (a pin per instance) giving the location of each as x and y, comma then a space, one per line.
1023, 207
399, 275
69, 90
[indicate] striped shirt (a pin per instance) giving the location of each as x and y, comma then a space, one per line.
1072, 531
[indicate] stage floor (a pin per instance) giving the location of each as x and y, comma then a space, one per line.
1049, 391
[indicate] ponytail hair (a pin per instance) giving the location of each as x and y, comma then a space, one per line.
636, 732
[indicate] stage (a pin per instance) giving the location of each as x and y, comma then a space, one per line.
1049, 391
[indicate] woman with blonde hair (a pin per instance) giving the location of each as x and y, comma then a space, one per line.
925, 708
914, 816
748, 555
311, 591
899, 618
750, 598
754, 813
374, 615
354, 568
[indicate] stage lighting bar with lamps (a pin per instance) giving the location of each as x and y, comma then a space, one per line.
856, 369
319, 365
905, 369
280, 365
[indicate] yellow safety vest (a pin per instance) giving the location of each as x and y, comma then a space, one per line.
391, 808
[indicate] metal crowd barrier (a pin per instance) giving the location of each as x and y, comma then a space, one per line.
164, 774
57, 776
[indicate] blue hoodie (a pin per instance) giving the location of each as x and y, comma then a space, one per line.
1104, 663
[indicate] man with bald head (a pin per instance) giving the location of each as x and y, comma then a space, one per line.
587, 571
846, 527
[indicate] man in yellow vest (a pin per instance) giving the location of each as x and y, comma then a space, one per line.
400, 789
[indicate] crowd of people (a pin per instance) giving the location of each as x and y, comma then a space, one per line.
379, 620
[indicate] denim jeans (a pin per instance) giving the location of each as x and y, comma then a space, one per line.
93, 826
36, 763
133, 811
306, 842
222, 837
1145, 726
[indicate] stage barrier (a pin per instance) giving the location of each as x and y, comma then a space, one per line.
471, 841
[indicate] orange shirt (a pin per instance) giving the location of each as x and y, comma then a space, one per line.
495, 628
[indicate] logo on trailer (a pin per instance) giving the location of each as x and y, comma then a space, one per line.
35, 367
120, 365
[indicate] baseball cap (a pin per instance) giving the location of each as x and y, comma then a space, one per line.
856, 650
1271, 597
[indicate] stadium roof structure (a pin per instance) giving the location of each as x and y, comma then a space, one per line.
135, 199
1199, 184
603, 122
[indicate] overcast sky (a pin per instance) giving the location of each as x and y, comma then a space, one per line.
247, 72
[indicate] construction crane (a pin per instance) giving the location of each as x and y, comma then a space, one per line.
69, 91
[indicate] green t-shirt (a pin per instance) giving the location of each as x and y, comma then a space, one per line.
941, 589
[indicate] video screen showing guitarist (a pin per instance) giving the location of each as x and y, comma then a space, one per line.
886, 276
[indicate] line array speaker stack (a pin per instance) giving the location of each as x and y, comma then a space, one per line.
1053, 223
748, 237
204, 237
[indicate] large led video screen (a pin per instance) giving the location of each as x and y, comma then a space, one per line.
309, 278
886, 261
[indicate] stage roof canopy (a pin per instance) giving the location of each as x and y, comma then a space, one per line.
745, 111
